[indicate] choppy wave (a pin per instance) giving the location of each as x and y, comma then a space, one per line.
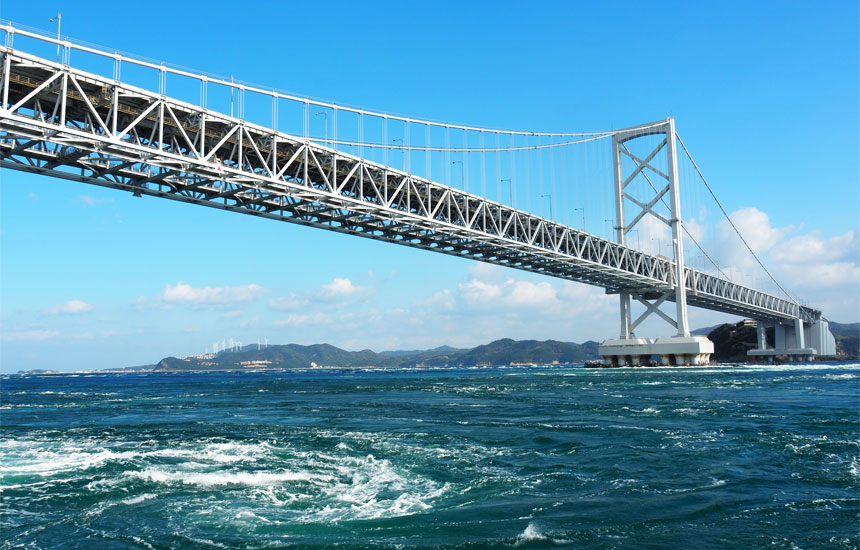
514, 457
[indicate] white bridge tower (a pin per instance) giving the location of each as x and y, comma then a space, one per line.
681, 349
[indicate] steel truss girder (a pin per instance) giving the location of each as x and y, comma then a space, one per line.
106, 133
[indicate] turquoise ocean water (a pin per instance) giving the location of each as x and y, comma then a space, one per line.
546, 457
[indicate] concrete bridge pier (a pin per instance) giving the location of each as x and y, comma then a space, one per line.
794, 341
673, 351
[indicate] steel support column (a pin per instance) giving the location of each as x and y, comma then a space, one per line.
677, 235
761, 334
677, 278
623, 297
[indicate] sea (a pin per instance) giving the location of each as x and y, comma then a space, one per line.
516, 457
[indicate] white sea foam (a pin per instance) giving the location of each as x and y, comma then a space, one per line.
305, 486
530, 533
223, 453
309, 486
48, 458
100, 507
219, 478
51, 462
714, 484
143, 542
846, 376
370, 488
647, 410
618, 483
138, 499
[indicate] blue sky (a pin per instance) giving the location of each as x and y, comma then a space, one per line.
765, 94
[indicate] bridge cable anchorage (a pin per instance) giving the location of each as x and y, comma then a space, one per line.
732, 223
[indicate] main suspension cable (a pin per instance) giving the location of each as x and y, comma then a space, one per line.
726, 214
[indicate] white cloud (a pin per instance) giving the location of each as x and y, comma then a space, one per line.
804, 249
443, 299
480, 292
183, 293
231, 314
488, 272
695, 230
143, 304
341, 288
72, 307
290, 302
32, 335
87, 200
820, 271
828, 275
585, 298
252, 322
754, 225
651, 235
308, 319
495, 302
533, 295
491, 294
510, 294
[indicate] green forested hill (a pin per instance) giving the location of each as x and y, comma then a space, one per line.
847, 338
294, 356
731, 342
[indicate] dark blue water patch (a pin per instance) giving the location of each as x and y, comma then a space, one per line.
550, 457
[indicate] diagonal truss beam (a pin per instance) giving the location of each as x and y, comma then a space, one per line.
641, 164
653, 308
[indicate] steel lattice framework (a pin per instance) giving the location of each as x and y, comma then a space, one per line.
62, 122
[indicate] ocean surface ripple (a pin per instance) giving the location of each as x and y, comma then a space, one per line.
518, 457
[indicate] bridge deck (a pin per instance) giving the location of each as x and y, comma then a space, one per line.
66, 123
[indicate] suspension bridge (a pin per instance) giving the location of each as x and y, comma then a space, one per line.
114, 120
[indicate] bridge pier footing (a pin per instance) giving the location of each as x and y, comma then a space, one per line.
673, 350
791, 355
794, 342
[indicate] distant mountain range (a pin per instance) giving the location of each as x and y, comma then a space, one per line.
731, 342
294, 356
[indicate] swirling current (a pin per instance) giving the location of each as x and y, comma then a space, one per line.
518, 457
